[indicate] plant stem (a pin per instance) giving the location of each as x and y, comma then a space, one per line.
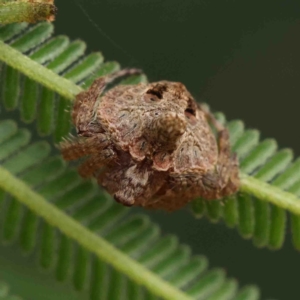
38, 73
87, 239
270, 193
26, 11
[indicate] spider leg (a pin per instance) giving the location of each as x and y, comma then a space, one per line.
222, 180
95, 162
74, 148
131, 185
226, 160
85, 103
228, 164
211, 118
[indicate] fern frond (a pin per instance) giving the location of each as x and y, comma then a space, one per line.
100, 235
254, 218
259, 211
60, 56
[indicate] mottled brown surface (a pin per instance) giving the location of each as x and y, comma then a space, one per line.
150, 144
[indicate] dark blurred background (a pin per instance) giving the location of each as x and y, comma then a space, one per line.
243, 58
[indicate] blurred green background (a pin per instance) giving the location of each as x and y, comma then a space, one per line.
242, 58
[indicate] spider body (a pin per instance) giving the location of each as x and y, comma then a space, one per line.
151, 144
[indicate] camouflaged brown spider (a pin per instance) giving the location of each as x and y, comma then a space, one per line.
151, 144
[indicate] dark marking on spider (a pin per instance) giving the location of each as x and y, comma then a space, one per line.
151, 145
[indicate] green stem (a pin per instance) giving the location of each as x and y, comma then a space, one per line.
37, 72
69, 90
23, 11
87, 239
270, 193
26, 11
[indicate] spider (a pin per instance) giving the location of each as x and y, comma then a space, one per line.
150, 145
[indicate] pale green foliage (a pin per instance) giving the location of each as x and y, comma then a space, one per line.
39, 166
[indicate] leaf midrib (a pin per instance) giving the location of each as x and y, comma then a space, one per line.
92, 242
